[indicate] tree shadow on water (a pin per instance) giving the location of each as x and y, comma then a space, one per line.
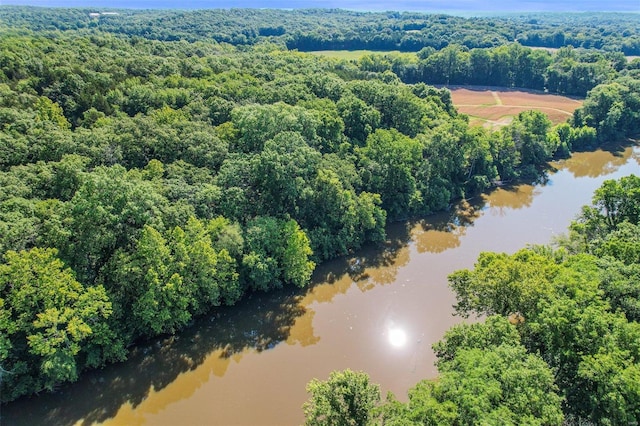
378, 265
444, 230
606, 159
370, 266
259, 322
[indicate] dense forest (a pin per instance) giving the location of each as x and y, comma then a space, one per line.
330, 29
560, 342
145, 181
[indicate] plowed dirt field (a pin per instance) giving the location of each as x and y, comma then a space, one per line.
494, 106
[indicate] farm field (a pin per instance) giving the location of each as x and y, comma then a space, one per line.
493, 106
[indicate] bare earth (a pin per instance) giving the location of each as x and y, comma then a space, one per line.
496, 106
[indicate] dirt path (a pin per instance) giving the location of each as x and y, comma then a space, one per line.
496, 97
515, 106
493, 124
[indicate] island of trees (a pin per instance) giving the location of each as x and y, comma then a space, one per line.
147, 178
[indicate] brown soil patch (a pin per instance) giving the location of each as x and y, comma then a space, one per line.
539, 100
493, 106
472, 97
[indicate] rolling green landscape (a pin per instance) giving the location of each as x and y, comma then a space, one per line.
157, 166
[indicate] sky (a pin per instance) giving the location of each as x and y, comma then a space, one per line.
463, 6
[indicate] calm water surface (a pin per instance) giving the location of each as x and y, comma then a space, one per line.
378, 311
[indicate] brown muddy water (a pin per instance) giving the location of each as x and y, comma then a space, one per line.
378, 311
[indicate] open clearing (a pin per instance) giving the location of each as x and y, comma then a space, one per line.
496, 106
354, 55
341, 54
487, 106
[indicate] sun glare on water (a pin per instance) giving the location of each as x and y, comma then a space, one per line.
397, 337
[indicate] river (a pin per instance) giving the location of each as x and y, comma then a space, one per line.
378, 311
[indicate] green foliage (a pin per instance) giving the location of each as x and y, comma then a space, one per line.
282, 171
504, 284
607, 227
258, 123
486, 377
578, 312
575, 138
50, 111
620, 285
49, 322
622, 244
612, 108
106, 213
575, 335
359, 119
500, 385
277, 253
443, 175
162, 304
619, 201
572, 329
493, 332
338, 219
529, 132
174, 174
347, 398
166, 281
339, 29
390, 161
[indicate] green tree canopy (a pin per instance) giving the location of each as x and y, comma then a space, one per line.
347, 398
50, 323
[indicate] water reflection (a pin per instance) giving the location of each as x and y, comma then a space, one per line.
371, 266
444, 230
302, 331
208, 348
600, 162
501, 200
397, 337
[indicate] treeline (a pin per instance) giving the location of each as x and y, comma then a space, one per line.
321, 29
568, 71
559, 345
144, 183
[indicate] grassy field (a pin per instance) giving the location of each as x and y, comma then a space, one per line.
495, 106
354, 54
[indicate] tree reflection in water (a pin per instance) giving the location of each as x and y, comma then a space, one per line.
600, 162
258, 323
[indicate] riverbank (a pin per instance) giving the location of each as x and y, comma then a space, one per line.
250, 363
